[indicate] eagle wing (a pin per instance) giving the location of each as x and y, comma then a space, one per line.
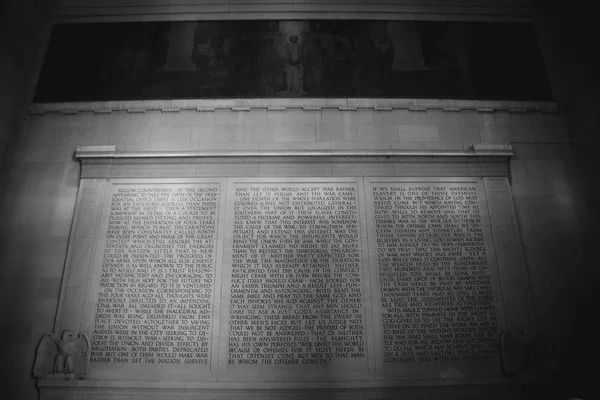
79, 349
46, 354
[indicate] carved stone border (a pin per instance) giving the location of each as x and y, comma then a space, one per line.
459, 10
307, 104
106, 162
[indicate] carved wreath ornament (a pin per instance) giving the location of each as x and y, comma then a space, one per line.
68, 357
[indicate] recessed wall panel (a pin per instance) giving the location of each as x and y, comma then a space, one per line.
154, 292
236, 282
437, 295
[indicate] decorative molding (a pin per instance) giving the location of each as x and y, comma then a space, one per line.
69, 112
105, 162
518, 109
342, 104
97, 151
160, 10
288, 160
111, 152
495, 149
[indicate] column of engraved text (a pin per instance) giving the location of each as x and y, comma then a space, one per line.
156, 284
437, 302
296, 279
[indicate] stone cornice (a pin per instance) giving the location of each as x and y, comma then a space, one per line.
106, 162
110, 154
170, 10
306, 104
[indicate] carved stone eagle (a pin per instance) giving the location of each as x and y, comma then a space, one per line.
69, 355
518, 356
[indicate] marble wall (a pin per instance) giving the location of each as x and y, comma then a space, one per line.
21, 32
40, 185
43, 181
21, 28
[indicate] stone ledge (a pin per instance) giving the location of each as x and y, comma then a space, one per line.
136, 10
105, 162
228, 385
111, 153
407, 389
305, 104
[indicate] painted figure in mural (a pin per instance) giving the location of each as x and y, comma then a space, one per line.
457, 49
367, 60
290, 45
131, 62
270, 65
386, 50
218, 57
342, 66
315, 63
241, 64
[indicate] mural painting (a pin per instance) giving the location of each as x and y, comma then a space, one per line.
324, 58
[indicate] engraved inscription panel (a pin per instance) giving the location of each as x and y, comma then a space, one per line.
437, 279
156, 285
296, 295
311, 279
